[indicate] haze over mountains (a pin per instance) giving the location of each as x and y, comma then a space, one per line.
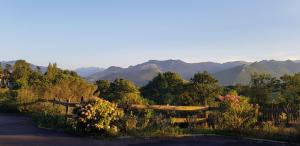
228, 73
87, 71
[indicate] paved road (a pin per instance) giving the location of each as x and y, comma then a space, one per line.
18, 130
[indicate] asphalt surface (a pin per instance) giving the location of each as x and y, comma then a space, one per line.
18, 130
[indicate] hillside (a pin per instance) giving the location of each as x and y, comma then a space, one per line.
242, 74
228, 73
144, 72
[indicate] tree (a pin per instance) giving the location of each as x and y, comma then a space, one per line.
52, 72
36, 78
102, 87
120, 88
71, 88
203, 78
203, 87
262, 88
290, 94
6, 77
164, 88
21, 72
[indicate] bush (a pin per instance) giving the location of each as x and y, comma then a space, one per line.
236, 114
99, 117
8, 101
130, 98
51, 120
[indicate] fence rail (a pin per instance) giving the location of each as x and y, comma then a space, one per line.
173, 120
169, 108
267, 112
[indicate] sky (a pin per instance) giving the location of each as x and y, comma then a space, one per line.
102, 33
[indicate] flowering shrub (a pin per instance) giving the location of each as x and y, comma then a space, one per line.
234, 98
100, 116
236, 113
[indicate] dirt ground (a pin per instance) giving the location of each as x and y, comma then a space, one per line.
19, 130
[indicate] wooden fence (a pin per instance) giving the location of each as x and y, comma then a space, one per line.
268, 112
173, 120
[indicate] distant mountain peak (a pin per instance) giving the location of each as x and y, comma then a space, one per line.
87, 71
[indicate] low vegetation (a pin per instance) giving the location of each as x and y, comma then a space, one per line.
266, 108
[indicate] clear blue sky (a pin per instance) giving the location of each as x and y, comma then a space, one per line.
77, 33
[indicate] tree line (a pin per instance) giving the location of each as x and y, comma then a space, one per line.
106, 105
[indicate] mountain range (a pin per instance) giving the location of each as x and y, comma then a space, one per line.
229, 73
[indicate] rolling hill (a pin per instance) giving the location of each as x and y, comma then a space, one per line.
228, 73
242, 74
142, 73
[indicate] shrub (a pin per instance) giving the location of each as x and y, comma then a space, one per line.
8, 101
51, 120
236, 114
99, 117
130, 122
130, 98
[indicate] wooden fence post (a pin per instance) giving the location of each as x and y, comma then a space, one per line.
67, 107
81, 100
54, 101
206, 117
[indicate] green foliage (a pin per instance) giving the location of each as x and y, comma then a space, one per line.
105, 118
128, 99
124, 93
164, 88
262, 88
5, 76
120, 87
70, 88
52, 72
161, 126
204, 88
290, 94
103, 87
98, 117
236, 114
21, 72
50, 120
8, 101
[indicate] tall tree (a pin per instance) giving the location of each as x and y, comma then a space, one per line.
262, 88
6, 77
52, 72
124, 93
164, 88
102, 87
120, 87
204, 87
21, 72
290, 94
